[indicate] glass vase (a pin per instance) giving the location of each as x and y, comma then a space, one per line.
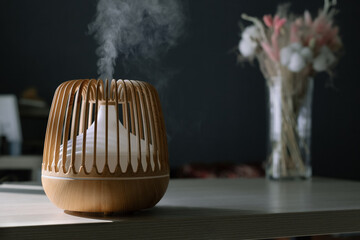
290, 106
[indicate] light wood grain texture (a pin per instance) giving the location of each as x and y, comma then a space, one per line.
196, 209
71, 176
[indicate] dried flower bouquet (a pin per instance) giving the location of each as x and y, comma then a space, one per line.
291, 50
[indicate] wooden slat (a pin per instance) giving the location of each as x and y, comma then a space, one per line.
66, 127
126, 101
135, 111
74, 128
85, 123
115, 96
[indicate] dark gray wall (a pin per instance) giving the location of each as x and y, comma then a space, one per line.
215, 110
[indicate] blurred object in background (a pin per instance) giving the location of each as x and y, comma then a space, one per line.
34, 112
31, 105
219, 170
10, 130
347, 236
15, 175
20, 168
22, 130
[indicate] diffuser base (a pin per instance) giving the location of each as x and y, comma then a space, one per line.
105, 195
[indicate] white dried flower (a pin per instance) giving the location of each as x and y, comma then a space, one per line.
296, 46
248, 43
297, 62
285, 55
247, 47
295, 57
324, 60
307, 54
251, 32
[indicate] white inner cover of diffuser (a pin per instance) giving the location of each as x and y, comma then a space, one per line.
112, 145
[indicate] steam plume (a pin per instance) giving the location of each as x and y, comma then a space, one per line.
135, 29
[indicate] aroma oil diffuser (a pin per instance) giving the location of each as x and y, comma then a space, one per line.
105, 147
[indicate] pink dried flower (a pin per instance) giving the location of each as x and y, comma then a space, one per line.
294, 33
307, 18
276, 19
268, 20
324, 32
278, 23
299, 21
275, 23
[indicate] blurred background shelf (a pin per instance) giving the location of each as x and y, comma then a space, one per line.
28, 165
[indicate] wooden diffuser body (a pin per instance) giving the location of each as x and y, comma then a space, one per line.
105, 147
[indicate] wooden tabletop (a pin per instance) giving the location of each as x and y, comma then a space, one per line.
201, 209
